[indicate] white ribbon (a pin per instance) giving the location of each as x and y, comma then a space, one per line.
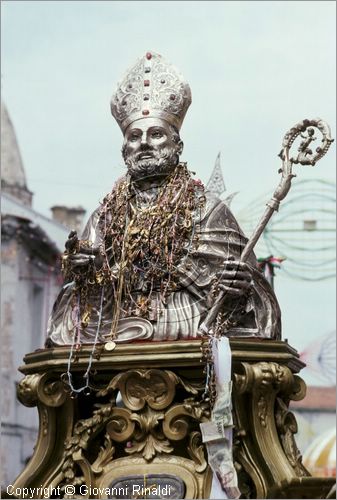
222, 357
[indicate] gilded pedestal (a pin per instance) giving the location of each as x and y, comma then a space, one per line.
140, 423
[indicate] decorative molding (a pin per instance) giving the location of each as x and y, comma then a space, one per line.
154, 429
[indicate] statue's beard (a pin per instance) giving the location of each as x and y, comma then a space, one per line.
163, 162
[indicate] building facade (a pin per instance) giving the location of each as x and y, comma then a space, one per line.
30, 280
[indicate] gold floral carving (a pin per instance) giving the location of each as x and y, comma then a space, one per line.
27, 390
120, 427
264, 379
42, 388
78, 442
287, 427
50, 391
175, 425
149, 439
262, 409
44, 421
104, 456
148, 425
153, 387
196, 451
270, 386
176, 422
155, 428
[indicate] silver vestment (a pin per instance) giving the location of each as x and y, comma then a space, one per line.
216, 237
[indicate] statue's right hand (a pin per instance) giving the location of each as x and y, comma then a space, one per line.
79, 261
72, 242
78, 256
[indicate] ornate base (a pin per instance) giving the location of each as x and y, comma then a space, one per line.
136, 435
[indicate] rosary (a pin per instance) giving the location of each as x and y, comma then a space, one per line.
144, 239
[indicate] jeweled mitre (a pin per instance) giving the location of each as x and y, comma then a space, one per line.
153, 88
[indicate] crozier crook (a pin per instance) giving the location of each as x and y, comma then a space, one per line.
305, 156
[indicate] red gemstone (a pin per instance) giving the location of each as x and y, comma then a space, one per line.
146, 83
148, 55
145, 112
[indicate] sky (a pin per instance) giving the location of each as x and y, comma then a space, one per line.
255, 68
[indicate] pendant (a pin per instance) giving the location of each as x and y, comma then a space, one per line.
109, 346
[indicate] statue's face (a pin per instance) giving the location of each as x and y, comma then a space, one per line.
151, 147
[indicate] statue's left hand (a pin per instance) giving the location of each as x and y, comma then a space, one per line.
235, 278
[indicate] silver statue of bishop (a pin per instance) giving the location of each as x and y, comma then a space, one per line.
159, 249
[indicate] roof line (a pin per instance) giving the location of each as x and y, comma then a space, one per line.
32, 211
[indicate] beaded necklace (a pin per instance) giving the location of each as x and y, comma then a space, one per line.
146, 237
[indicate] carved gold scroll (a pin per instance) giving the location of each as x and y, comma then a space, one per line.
141, 420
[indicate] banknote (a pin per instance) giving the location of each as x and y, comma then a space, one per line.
212, 431
223, 402
218, 434
215, 429
221, 462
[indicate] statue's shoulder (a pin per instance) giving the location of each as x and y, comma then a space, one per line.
92, 227
119, 185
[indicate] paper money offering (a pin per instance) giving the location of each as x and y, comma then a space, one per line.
212, 431
223, 405
220, 461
